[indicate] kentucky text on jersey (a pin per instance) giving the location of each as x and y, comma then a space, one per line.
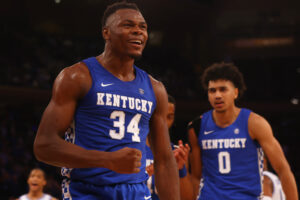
231, 143
116, 100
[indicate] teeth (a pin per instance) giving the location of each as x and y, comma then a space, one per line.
137, 41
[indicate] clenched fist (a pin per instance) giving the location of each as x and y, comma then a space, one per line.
126, 160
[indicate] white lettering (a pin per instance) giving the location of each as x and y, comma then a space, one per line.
221, 143
100, 98
204, 144
144, 103
209, 144
231, 143
108, 99
131, 102
137, 104
243, 140
228, 143
214, 144
116, 100
150, 106
124, 99
237, 143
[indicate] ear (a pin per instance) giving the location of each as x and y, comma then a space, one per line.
44, 183
105, 33
236, 93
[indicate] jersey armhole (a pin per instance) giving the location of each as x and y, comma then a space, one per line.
195, 124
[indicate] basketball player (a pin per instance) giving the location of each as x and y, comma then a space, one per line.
36, 182
228, 142
271, 185
181, 153
113, 105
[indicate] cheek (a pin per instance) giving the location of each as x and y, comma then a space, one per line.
210, 97
146, 37
170, 122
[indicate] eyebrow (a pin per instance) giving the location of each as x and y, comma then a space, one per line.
220, 87
131, 21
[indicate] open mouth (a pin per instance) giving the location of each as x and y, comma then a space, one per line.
137, 42
218, 104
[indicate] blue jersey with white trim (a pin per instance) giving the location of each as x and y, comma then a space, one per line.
114, 114
232, 163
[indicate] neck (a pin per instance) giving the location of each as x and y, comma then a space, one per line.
121, 67
227, 117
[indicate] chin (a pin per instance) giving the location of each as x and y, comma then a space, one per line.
220, 110
135, 56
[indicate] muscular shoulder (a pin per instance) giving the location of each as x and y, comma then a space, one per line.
257, 121
160, 95
74, 79
158, 86
258, 125
75, 73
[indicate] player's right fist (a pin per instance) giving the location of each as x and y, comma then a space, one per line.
126, 160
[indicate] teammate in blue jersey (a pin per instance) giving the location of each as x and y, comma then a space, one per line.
228, 144
180, 151
112, 106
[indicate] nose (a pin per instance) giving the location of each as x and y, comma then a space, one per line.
137, 30
218, 94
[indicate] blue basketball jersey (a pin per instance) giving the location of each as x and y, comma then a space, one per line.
232, 163
114, 114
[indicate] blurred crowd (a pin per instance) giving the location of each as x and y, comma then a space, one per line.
18, 126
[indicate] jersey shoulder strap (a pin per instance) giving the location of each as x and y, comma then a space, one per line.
195, 124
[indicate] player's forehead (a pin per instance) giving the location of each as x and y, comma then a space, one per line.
36, 172
171, 107
220, 83
125, 14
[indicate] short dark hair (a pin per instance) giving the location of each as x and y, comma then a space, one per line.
39, 169
171, 99
224, 71
117, 6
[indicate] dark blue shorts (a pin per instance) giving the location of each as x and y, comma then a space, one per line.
75, 190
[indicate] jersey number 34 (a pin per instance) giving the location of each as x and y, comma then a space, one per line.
133, 126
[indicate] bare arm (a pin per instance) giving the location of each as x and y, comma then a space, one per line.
195, 161
261, 131
182, 155
165, 168
50, 147
189, 185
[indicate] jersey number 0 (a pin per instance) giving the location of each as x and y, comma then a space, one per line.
224, 162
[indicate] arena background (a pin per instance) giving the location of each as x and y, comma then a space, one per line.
39, 38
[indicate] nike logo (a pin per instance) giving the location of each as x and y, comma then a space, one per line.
105, 85
208, 132
148, 197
